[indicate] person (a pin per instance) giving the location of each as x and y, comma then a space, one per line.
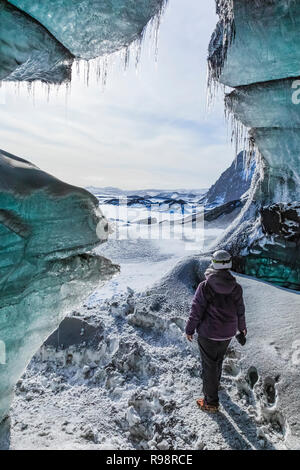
217, 314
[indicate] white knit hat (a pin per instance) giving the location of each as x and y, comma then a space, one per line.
221, 260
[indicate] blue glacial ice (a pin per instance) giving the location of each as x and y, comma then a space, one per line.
47, 231
256, 50
28, 51
91, 28
264, 42
40, 39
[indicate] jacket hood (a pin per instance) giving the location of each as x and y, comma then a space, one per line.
221, 281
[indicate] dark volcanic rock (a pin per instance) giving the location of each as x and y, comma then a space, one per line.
282, 220
221, 210
73, 332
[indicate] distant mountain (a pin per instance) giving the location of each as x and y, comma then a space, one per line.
148, 193
230, 187
232, 184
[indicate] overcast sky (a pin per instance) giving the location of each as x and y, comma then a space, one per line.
148, 129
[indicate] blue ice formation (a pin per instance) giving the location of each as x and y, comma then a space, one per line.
255, 49
47, 231
39, 39
28, 51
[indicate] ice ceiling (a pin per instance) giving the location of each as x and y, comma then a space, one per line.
40, 39
48, 228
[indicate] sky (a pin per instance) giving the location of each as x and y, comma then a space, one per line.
147, 128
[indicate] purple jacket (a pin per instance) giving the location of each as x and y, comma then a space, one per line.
218, 309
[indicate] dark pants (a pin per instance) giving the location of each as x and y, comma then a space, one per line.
212, 355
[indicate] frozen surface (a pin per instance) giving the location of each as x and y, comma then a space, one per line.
47, 229
152, 249
148, 228
127, 355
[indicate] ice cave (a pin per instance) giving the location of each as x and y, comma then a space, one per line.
48, 228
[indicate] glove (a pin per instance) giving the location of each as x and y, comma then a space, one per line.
241, 338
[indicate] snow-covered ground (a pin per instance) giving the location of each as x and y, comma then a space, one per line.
146, 252
119, 374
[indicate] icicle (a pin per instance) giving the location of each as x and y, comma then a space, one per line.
220, 41
103, 65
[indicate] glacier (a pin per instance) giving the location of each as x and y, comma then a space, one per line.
40, 40
47, 232
255, 50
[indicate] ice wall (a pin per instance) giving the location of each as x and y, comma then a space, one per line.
39, 39
256, 50
47, 231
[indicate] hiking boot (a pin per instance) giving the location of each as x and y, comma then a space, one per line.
206, 407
